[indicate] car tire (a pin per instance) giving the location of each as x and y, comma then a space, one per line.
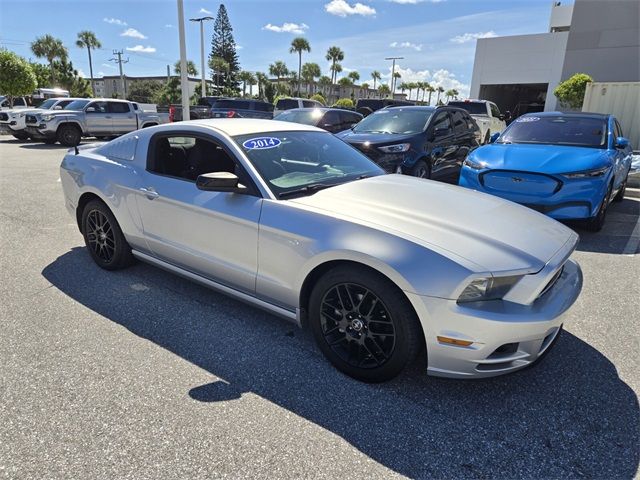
69, 135
21, 136
104, 238
620, 195
421, 170
364, 324
595, 224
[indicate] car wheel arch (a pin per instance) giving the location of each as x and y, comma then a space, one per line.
74, 124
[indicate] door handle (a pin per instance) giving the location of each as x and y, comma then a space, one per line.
150, 193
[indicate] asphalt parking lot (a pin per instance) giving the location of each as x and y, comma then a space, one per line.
141, 374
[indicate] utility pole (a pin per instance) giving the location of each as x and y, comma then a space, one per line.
393, 72
183, 63
203, 88
119, 61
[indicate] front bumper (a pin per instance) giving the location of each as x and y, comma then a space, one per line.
38, 134
506, 336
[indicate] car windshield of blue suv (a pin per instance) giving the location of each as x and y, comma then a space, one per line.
395, 120
557, 130
301, 163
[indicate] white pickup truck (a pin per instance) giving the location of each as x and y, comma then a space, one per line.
486, 114
13, 121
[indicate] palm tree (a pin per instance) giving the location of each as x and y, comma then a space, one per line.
375, 75
430, 89
324, 82
346, 82
50, 48
299, 45
191, 68
334, 55
354, 77
384, 90
439, 90
336, 68
403, 86
419, 86
310, 71
262, 80
455, 93
218, 65
88, 40
365, 88
246, 77
394, 80
278, 70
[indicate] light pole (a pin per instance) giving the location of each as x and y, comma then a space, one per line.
393, 72
183, 63
203, 87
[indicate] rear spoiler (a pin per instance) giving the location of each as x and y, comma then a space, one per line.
86, 146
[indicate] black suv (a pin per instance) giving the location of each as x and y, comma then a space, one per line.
427, 142
366, 106
333, 120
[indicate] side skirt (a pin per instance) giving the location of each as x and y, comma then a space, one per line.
293, 316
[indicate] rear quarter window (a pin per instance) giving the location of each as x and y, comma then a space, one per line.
286, 104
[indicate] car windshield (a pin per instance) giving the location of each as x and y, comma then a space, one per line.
308, 117
557, 130
47, 104
294, 163
395, 120
474, 108
77, 105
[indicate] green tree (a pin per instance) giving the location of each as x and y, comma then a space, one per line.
365, 89
431, 90
262, 80
50, 48
16, 76
384, 90
247, 78
279, 70
219, 67
318, 98
310, 71
375, 76
299, 45
87, 39
143, 91
192, 71
440, 90
334, 55
344, 102
324, 82
70, 80
224, 46
396, 76
570, 93
43, 74
269, 92
336, 68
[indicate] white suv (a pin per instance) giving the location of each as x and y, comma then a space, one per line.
486, 114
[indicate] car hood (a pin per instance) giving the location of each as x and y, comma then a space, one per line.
376, 138
550, 159
488, 233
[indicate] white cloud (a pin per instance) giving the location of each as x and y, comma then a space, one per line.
468, 37
108, 66
141, 49
239, 47
168, 25
81, 73
205, 11
448, 80
415, 46
341, 8
115, 21
287, 28
133, 33
101, 74
408, 75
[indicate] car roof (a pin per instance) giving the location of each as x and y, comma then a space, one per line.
244, 126
602, 116
322, 109
407, 107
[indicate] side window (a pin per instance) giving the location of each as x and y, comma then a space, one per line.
19, 102
118, 107
441, 121
186, 157
331, 118
97, 107
618, 130
309, 104
348, 119
459, 124
495, 112
60, 105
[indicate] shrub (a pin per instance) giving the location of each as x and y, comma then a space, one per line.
318, 98
344, 103
570, 93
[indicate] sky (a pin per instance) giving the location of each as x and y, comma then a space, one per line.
437, 38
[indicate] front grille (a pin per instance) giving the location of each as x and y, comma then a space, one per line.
4, 116
31, 119
372, 152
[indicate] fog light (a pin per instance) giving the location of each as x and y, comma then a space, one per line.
454, 341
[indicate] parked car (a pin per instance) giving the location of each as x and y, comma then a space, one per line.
241, 108
486, 114
366, 106
289, 103
201, 110
291, 219
18, 102
333, 120
426, 142
566, 165
14, 121
90, 118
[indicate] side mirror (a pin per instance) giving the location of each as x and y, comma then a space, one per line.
494, 137
219, 182
621, 142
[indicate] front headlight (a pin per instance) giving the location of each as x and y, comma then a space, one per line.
488, 288
472, 164
598, 172
399, 148
46, 118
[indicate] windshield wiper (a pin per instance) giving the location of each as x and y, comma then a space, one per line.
307, 189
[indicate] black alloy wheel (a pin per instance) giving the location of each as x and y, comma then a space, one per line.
69, 135
357, 326
421, 170
104, 238
100, 236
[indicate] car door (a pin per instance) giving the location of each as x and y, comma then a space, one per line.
443, 148
98, 118
622, 156
464, 138
123, 117
213, 234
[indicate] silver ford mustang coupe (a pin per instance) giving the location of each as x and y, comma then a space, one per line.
293, 220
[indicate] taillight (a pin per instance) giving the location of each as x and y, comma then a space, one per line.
231, 114
172, 113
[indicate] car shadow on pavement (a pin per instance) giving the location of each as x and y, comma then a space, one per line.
569, 416
620, 234
43, 146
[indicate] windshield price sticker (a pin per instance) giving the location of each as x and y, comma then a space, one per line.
527, 119
261, 143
